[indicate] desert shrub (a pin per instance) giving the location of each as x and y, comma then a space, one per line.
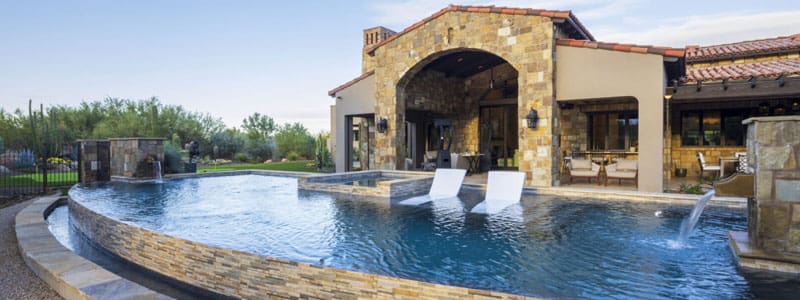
173, 160
241, 157
260, 149
293, 155
691, 189
58, 161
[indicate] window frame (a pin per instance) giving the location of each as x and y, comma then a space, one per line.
626, 115
743, 113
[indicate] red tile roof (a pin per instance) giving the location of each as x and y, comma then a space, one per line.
555, 14
350, 83
665, 51
744, 49
773, 68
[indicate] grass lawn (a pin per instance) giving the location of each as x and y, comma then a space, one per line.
297, 166
53, 179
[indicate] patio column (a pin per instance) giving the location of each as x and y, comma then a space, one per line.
651, 145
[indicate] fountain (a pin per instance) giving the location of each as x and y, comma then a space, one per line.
688, 224
157, 169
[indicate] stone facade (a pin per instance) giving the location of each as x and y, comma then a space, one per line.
773, 144
245, 275
524, 41
95, 164
135, 157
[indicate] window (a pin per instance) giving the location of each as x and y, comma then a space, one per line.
613, 130
713, 128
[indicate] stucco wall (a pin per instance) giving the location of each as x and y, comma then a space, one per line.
354, 100
525, 42
583, 73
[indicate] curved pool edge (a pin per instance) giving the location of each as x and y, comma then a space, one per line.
242, 274
70, 275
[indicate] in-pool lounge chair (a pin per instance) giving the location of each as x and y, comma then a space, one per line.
584, 168
623, 169
503, 188
446, 184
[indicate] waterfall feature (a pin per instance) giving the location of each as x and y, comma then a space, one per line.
688, 224
157, 169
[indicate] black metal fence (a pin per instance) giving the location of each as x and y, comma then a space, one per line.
24, 172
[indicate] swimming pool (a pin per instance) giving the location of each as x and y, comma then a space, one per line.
545, 247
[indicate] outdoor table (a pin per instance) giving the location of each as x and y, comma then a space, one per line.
473, 160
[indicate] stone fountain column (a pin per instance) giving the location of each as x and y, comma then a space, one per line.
94, 161
772, 240
134, 158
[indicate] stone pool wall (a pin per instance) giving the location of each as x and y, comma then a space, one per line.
401, 184
246, 275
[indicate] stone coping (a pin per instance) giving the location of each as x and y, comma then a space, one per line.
770, 119
69, 274
748, 257
247, 275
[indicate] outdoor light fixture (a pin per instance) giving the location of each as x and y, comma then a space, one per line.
796, 106
763, 108
383, 125
532, 118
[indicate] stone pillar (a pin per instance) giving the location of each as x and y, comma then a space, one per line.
773, 146
136, 157
93, 156
772, 240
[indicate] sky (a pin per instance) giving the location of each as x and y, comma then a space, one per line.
234, 58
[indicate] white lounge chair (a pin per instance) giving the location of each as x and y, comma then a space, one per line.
623, 169
446, 184
584, 168
504, 188
704, 167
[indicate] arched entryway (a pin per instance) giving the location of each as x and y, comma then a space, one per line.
460, 101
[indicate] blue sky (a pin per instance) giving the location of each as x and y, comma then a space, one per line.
233, 58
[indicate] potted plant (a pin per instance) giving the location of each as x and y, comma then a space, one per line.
680, 172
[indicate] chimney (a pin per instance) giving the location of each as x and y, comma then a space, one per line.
375, 35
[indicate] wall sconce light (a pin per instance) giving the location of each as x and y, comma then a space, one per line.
763, 108
796, 106
383, 125
532, 118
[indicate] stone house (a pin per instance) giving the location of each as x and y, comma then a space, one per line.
486, 70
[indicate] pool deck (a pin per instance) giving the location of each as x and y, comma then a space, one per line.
17, 281
66, 273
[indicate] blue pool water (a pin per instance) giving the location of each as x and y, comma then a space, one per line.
546, 247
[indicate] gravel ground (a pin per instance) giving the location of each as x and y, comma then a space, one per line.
16, 280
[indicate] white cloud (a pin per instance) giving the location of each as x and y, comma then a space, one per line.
706, 29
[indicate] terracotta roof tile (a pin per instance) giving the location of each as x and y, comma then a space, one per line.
672, 52
350, 83
773, 68
558, 14
744, 49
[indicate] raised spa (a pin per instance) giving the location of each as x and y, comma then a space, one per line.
545, 247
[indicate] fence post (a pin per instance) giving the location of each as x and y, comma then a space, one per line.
44, 168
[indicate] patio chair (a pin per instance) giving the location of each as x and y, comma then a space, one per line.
584, 168
704, 167
623, 169
446, 184
429, 164
503, 189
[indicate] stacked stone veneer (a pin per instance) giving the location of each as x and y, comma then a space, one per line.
400, 184
94, 161
525, 42
245, 275
773, 149
134, 157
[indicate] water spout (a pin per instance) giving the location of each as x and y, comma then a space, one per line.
157, 169
688, 224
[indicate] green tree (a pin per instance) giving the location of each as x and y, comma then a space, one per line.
294, 137
258, 126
